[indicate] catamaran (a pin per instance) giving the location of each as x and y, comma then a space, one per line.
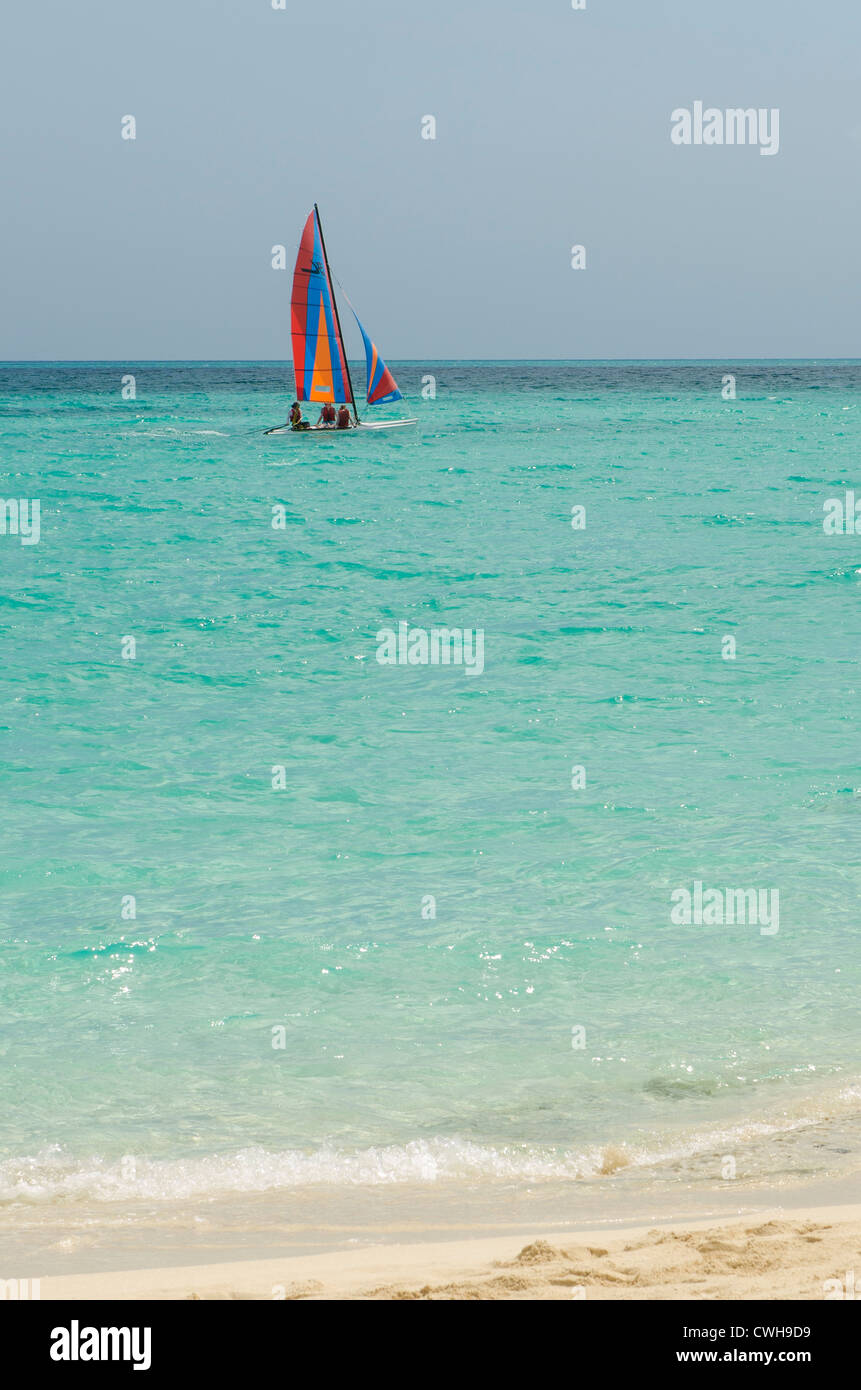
319, 360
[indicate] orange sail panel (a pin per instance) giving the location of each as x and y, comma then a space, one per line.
318, 352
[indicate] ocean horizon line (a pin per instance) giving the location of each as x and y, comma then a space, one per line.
537, 361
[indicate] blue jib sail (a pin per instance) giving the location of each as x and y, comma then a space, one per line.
382, 386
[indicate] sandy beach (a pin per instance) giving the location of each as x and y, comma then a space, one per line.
770, 1256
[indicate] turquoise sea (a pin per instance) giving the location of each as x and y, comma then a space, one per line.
284, 1018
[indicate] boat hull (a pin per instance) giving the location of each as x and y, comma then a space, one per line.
385, 424
333, 429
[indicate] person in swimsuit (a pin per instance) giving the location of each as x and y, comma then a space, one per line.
326, 416
343, 418
294, 419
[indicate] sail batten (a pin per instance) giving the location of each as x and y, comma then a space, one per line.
319, 360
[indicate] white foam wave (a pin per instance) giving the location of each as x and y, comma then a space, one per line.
54, 1174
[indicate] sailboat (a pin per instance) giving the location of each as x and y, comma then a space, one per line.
319, 359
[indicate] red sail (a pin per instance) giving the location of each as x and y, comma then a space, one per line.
318, 352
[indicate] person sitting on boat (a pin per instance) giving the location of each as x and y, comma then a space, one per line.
295, 417
343, 418
327, 415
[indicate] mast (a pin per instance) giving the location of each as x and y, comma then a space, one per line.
335, 307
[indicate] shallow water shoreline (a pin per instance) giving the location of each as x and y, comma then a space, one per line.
778, 1253
94, 1240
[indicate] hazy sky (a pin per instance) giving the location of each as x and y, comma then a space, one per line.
553, 128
